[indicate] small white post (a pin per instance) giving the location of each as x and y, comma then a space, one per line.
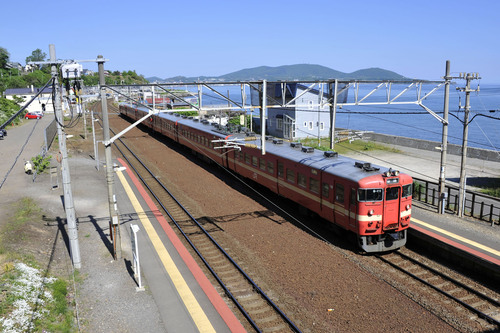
134, 228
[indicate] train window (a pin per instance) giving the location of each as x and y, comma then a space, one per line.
370, 194
301, 179
392, 193
262, 164
339, 193
314, 185
352, 198
255, 161
247, 158
280, 170
325, 190
290, 175
236, 154
407, 192
270, 167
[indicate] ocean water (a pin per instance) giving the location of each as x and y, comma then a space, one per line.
415, 122
412, 120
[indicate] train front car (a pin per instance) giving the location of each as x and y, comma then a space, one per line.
384, 210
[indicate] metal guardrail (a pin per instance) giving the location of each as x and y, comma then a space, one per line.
477, 205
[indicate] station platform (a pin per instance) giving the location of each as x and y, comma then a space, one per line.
469, 243
185, 298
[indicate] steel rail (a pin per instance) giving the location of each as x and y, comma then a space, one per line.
450, 279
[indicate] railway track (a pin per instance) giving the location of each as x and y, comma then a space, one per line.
481, 305
261, 313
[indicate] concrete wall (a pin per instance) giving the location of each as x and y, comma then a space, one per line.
482, 154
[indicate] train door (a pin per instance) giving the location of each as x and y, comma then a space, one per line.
352, 208
327, 197
280, 172
391, 208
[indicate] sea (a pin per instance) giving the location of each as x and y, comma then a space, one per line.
412, 120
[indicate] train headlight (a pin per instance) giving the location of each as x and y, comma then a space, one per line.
395, 173
370, 212
408, 207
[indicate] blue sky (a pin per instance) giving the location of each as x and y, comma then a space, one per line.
194, 38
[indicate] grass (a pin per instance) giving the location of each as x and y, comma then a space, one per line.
24, 210
346, 147
30, 301
493, 188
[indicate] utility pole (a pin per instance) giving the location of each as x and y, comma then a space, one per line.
263, 111
461, 194
444, 144
114, 223
333, 112
66, 180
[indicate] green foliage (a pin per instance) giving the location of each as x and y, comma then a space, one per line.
26, 210
492, 188
90, 80
4, 57
417, 188
494, 192
41, 163
49, 313
36, 55
13, 79
115, 77
236, 120
188, 113
58, 309
7, 109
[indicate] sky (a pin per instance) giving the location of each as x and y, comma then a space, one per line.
211, 38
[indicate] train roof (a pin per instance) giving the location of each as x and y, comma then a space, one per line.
329, 162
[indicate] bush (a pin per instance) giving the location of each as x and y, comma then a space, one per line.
41, 163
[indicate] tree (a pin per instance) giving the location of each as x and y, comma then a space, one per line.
37, 55
4, 57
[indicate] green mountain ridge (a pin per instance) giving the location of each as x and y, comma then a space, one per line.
297, 72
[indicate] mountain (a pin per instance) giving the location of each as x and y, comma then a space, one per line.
154, 79
290, 72
376, 74
300, 72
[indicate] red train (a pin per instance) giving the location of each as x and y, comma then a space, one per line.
371, 201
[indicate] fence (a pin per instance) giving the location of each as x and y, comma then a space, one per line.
477, 205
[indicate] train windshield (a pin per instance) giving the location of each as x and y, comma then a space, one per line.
407, 190
374, 194
391, 193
